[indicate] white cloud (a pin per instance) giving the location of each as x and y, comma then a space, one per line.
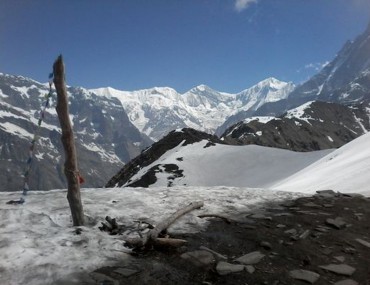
317, 66
241, 5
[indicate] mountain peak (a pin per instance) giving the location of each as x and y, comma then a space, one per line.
272, 82
201, 88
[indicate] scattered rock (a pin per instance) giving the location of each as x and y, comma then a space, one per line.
266, 245
199, 257
337, 223
322, 229
341, 269
346, 282
305, 234
251, 258
291, 232
363, 242
304, 275
250, 269
280, 226
224, 268
216, 254
340, 258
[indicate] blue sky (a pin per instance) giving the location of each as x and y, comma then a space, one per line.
133, 44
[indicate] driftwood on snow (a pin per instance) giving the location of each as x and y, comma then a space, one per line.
227, 220
151, 237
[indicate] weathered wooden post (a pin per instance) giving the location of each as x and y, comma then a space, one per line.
70, 165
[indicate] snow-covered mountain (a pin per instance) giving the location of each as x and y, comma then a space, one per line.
193, 160
157, 111
344, 80
345, 169
56, 249
314, 125
105, 138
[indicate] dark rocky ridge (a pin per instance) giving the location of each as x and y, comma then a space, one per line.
185, 136
323, 126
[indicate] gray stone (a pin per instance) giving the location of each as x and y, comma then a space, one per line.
251, 258
337, 223
322, 229
224, 268
340, 258
363, 242
346, 282
250, 269
266, 245
280, 226
216, 254
341, 269
199, 257
291, 232
305, 234
305, 275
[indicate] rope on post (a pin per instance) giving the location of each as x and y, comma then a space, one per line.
27, 170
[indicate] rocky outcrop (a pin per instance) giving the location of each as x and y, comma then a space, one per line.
173, 139
313, 126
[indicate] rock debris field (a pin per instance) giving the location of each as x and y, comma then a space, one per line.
322, 239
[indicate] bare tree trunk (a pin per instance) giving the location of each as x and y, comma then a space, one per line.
70, 165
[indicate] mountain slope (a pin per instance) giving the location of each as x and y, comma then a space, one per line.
206, 162
346, 169
345, 80
105, 138
157, 111
173, 140
342, 75
312, 126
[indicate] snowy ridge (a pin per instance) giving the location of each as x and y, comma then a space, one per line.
212, 164
300, 112
158, 110
345, 169
235, 166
